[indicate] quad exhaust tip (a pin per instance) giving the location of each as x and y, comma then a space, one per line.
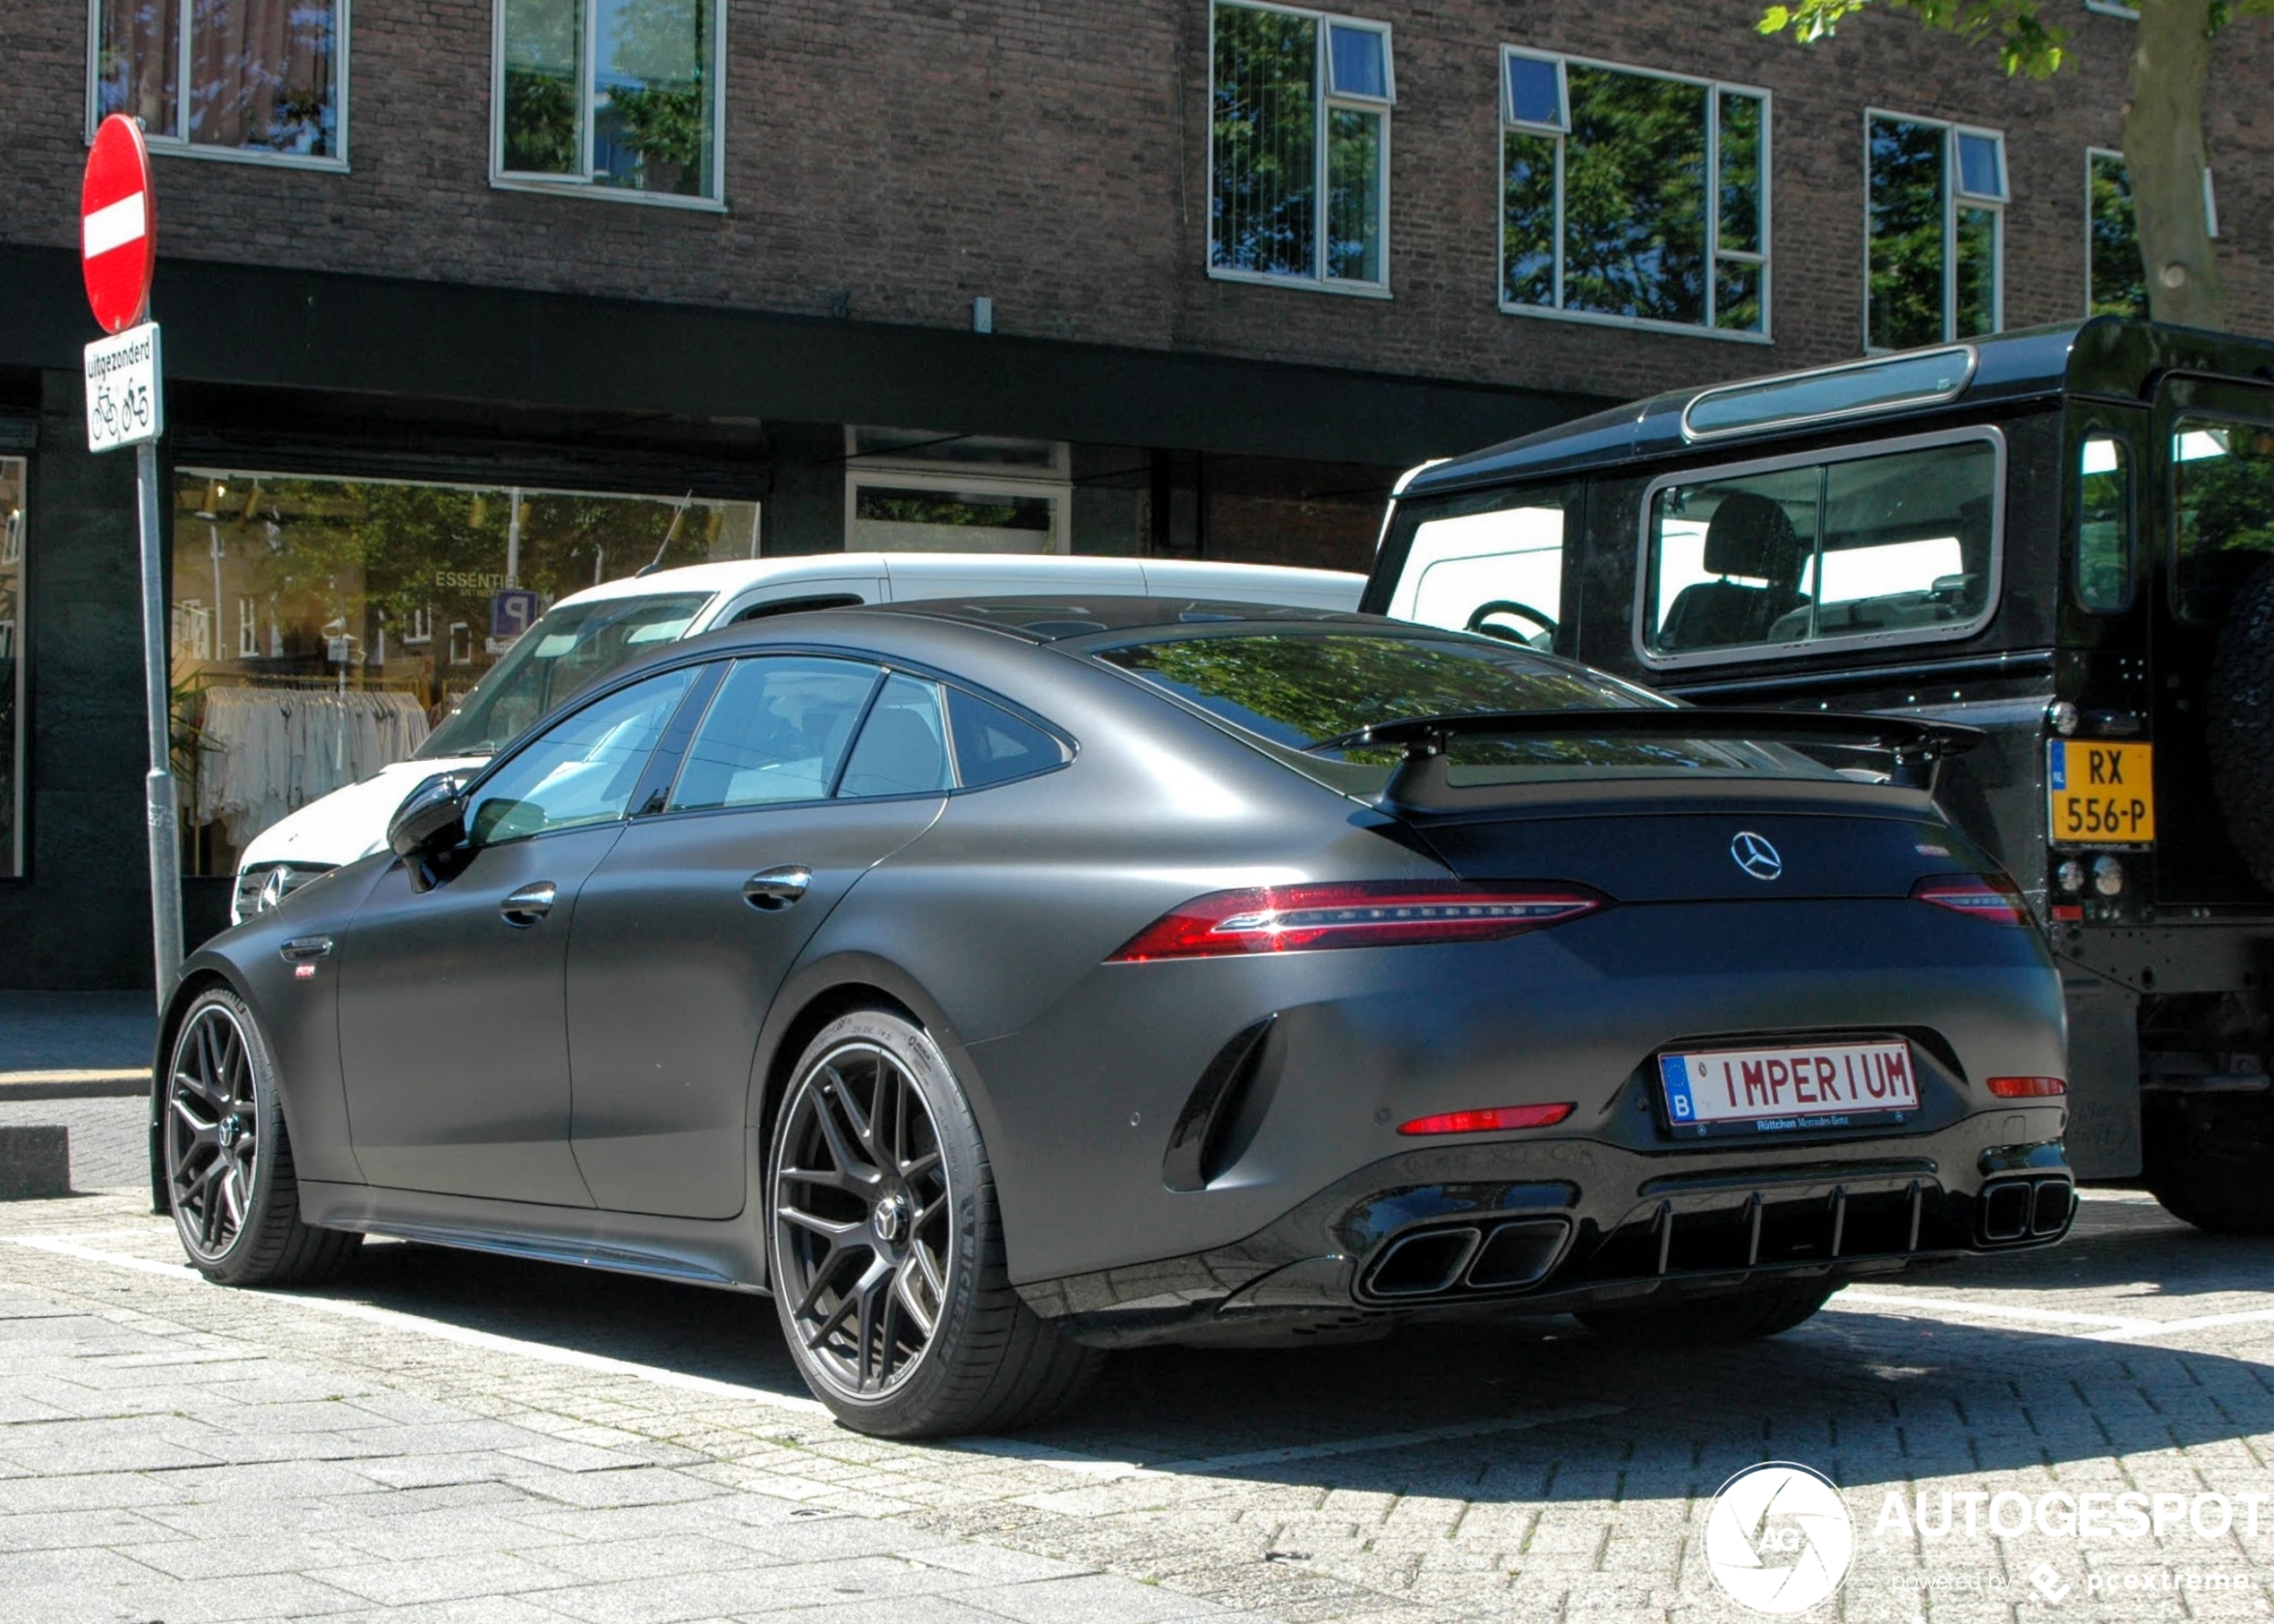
1469, 1257
2021, 1209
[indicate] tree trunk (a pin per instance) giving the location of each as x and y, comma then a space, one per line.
2163, 154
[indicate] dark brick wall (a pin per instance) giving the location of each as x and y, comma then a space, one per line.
893, 160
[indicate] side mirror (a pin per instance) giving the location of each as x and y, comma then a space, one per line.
431, 818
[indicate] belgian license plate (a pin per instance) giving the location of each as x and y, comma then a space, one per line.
2100, 794
1797, 1087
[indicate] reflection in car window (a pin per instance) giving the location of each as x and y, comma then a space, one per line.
904, 744
2104, 523
1298, 691
565, 649
1896, 543
2223, 474
993, 746
582, 769
776, 732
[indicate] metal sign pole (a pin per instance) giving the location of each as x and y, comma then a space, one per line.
165, 846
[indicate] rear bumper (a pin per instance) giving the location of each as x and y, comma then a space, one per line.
1551, 1226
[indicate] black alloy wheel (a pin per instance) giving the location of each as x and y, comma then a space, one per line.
885, 1245
227, 1163
863, 1219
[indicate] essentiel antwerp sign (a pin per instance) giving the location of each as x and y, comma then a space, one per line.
126, 407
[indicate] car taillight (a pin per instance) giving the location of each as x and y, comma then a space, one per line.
2027, 1087
1994, 897
1497, 1120
1386, 913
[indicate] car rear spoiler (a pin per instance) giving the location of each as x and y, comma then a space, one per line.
1423, 782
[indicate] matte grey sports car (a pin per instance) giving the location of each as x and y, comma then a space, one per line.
998, 983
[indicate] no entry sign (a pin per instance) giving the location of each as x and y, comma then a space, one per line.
117, 232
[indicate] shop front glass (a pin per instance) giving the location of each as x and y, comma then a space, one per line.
11, 472
323, 628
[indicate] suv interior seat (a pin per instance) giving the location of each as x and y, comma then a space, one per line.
1751, 537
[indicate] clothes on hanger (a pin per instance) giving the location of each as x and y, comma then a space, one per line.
265, 752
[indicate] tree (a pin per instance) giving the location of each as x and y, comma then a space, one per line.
2163, 116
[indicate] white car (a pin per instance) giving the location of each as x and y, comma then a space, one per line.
590, 633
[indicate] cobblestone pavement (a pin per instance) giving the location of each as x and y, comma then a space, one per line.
442, 1436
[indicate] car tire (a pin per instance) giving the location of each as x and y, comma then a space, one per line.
2206, 1160
2238, 724
1741, 1316
227, 1158
882, 1215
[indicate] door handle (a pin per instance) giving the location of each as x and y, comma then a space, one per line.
529, 904
771, 890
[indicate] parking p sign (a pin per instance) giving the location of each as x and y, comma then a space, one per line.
512, 612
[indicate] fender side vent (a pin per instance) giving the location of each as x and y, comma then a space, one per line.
1221, 1114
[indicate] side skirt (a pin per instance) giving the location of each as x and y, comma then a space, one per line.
693, 1251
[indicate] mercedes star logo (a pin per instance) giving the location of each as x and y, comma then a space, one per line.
1755, 856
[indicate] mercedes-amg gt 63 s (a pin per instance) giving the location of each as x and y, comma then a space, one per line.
1000, 983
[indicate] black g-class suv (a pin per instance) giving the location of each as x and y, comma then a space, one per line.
2064, 537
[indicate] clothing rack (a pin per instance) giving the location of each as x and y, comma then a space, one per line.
265, 750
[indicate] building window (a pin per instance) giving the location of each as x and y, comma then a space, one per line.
617, 98
1936, 222
1299, 148
12, 665
911, 492
374, 607
1633, 197
266, 79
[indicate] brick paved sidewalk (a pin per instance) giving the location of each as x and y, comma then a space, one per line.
446, 1436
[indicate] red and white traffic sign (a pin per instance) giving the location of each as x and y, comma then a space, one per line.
117, 227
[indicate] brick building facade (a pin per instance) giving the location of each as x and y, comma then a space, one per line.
435, 287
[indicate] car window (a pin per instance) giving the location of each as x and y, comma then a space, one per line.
994, 745
2104, 524
776, 732
568, 648
1498, 569
1300, 692
2223, 485
904, 744
581, 770
1888, 545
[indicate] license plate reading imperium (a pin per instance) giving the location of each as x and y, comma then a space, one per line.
1797, 1087
2100, 794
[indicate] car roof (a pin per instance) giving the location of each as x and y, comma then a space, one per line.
1018, 571
2108, 356
1056, 618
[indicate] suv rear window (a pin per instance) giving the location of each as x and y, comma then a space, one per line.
1298, 690
1895, 547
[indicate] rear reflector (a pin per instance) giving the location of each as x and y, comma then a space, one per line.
1388, 913
2027, 1087
1498, 1120
1994, 897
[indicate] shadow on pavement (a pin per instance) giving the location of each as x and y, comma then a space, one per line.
1874, 1397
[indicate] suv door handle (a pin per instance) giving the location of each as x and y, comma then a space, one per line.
771, 890
529, 904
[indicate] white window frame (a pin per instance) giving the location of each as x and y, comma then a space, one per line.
1325, 100
503, 179
972, 479
1953, 200
1561, 133
168, 144
2211, 209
